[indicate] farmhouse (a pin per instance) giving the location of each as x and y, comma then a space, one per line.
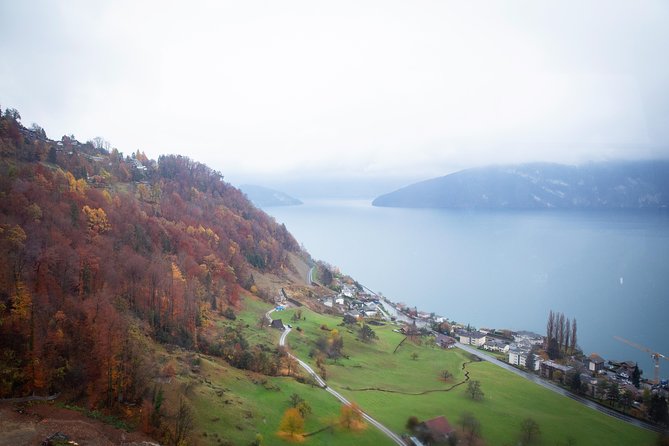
444, 341
435, 431
278, 324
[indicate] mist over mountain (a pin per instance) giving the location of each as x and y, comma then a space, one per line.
608, 185
264, 196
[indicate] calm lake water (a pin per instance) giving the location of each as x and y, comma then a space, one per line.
506, 269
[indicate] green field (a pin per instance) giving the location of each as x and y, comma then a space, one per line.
237, 405
231, 406
508, 398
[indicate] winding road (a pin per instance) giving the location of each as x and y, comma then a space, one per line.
282, 342
310, 276
559, 390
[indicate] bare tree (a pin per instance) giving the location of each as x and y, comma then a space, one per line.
100, 143
471, 428
529, 432
183, 423
474, 390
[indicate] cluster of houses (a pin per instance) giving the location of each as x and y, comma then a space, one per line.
519, 346
355, 303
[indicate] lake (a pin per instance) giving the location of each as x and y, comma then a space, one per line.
506, 269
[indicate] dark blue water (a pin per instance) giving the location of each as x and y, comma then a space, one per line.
609, 270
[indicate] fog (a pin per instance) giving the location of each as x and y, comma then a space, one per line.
267, 91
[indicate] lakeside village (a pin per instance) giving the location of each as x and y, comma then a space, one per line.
554, 356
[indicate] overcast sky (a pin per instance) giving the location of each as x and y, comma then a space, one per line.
372, 89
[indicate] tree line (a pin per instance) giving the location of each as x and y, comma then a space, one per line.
561, 335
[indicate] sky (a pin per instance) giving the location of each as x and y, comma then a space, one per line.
267, 90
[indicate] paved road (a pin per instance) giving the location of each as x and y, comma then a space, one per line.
282, 342
550, 386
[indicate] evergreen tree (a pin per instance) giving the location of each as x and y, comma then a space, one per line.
575, 383
636, 376
530, 361
658, 409
553, 349
614, 393
366, 334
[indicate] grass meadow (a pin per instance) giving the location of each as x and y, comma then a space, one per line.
415, 387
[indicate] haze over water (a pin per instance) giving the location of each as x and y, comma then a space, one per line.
506, 269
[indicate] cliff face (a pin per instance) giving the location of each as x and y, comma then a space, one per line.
614, 185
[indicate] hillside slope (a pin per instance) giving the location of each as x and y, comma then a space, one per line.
101, 252
614, 185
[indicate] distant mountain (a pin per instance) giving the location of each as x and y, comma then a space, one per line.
610, 185
264, 196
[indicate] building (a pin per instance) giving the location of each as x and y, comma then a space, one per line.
435, 431
553, 370
595, 363
278, 324
444, 341
518, 356
475, 338
528, 337
495, 345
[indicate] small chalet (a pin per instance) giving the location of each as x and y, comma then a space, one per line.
278, 324
411, 329
444, 341
595, 363
435, 431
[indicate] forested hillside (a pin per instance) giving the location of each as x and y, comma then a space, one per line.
99, 251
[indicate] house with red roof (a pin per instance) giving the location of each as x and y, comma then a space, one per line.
435, 431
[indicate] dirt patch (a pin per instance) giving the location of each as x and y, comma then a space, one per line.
36, 422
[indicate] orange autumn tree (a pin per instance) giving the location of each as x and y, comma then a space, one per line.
96, 219
292, 425
350, 418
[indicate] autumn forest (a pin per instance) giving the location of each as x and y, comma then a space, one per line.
102, 252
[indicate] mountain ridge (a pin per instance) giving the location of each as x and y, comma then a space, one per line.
264, 196
623, 185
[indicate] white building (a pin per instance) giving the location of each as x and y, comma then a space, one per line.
519, 357
475, 338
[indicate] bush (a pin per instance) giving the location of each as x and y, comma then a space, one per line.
229, 313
